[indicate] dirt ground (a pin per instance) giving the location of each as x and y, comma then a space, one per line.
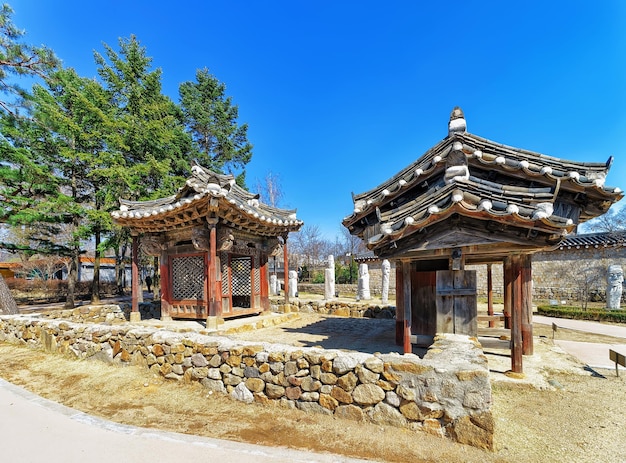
576, 415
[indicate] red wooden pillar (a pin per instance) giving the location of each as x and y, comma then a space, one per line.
399, 306
492, 323
286, 266
406, 290
135, 316
166, 289
214, 299
527, 304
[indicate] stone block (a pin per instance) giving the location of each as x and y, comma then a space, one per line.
341, 395
368, 394
347, 382
383, 413
255, 384
350, 412
274, 391
328, 402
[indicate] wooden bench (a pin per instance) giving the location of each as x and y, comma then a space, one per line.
619, 359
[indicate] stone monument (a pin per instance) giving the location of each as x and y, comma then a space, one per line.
363, 290
386, 267
614, 280
293, 283
273, 285
329, 279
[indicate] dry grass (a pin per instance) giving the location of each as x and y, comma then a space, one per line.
583, 421
133, 396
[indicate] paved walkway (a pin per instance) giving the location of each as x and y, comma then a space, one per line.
34, 429
594, 355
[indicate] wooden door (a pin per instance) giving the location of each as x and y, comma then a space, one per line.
423, 302
457, 308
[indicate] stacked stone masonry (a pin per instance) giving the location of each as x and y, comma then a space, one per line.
557, 274
447, 393
337, 308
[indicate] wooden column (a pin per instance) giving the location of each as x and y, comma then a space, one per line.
406, 291
513, 280
286, 267
214, 300
166, 289
492, 323
527, 304
508, 300
399, 306
135, 316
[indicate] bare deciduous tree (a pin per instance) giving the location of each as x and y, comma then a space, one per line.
270, 189
611, 222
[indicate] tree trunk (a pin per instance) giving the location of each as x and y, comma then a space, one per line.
7, 303
95, 284
71, 281
120, 269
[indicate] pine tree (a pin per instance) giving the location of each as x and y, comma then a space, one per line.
211, 119
19, 60
150, 134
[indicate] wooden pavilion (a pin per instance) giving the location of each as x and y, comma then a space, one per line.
213, 240
469, 200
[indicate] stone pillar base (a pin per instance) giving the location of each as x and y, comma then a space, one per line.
135, 317
166, 318
213, 323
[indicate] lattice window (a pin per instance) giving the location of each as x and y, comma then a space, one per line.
225, 286
240, 268
188, 277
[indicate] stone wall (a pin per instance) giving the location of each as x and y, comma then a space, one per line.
447, 393
557, 274
337, 308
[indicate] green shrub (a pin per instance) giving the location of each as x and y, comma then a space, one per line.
576, 313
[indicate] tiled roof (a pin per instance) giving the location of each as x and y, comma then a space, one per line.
594, 240
530, 195
234, 203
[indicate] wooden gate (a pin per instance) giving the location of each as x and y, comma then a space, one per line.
456, 303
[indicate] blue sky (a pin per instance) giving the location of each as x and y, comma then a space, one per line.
341, 95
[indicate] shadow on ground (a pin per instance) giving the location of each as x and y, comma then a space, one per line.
349, 334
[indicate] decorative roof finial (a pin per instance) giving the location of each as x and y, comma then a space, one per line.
457, 121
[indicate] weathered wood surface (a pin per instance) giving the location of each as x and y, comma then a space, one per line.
457, 307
